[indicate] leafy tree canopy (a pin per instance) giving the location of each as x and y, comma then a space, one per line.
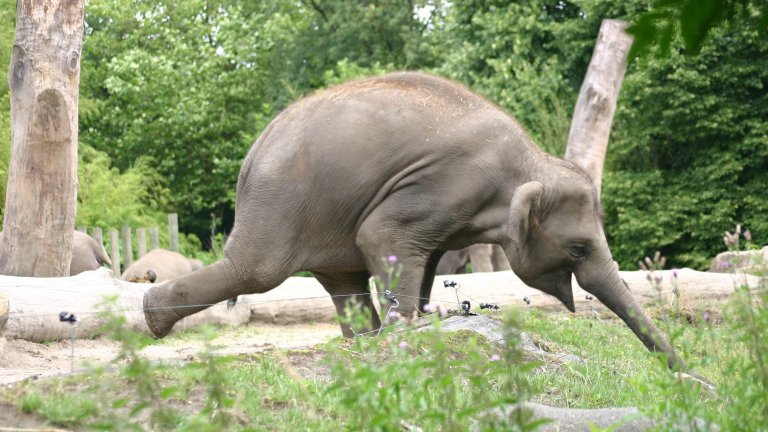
182, 88
179, 82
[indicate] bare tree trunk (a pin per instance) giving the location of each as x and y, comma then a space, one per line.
593, 115
41, 195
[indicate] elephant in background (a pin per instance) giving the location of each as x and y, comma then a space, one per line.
87, 253
160, 265
484, 258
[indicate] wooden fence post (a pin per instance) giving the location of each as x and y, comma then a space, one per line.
114, 246
97, 235
127, 249
141, 240
154, 238
173, 232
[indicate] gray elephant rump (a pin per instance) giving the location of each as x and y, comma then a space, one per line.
323, 166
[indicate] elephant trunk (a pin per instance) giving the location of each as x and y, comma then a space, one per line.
614, 293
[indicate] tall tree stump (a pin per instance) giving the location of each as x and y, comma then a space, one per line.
41, 195
593, 114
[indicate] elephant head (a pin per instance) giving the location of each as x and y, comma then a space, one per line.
555, 233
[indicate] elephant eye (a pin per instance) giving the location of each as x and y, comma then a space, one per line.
578, 251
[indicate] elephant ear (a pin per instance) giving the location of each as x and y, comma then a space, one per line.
523, 212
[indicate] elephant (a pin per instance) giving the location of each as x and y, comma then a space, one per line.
87, 253
484, 258
396, 170
160, 265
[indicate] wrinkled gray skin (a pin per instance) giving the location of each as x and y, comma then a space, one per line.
87, 253
407, 165
165, 264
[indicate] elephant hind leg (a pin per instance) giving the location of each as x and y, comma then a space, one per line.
350, 290
171, 301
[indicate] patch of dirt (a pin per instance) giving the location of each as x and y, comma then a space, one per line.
23, 360
20, 359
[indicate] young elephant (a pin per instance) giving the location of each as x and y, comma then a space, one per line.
87, 253
160, 265
405, 165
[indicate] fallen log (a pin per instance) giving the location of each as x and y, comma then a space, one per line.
34, 306
30, 307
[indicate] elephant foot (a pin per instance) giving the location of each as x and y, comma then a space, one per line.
160, 319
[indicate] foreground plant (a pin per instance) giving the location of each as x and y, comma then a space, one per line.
741, 392
430, 379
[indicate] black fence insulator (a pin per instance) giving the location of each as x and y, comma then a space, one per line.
65, 316
390, 296
450, 284
489, 306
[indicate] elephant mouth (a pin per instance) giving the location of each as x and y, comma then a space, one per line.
558, 287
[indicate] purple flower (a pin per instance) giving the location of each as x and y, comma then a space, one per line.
392, 259
674, 273
403, 345
658, 280
428, 308
441, 310
394, 316
495, 357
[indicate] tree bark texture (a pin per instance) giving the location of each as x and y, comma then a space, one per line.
593, 114
30, 307
41, 195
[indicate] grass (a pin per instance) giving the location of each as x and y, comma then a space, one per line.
427, 379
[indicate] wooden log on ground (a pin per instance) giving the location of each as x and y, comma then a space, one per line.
505, 288
34, 304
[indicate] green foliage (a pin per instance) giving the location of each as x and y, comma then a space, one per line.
348, 71
7, 28
735, 358
689, 151
179, 82
182, 88
110, 199
138, 370
429, 378
529, 57
692, 20
369, 34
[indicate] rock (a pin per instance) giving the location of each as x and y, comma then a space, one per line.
628, 419
493, 330
746, 261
